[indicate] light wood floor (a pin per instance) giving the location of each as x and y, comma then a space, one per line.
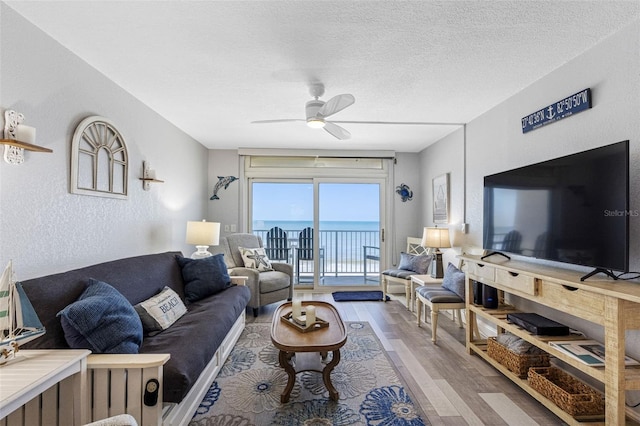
451, 387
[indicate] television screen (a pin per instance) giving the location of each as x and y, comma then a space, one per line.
573, 209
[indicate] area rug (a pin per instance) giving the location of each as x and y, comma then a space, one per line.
247, 390
357, 296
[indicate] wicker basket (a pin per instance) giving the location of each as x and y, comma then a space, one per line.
516, 363
567, 392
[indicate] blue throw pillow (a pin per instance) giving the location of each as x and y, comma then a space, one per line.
454, 280
414, 262
203, 277
102, 320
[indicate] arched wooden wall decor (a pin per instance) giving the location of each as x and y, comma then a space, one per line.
99, 159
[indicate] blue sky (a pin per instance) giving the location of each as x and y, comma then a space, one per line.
294, 201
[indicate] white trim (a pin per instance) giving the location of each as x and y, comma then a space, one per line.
181, 414
316, 153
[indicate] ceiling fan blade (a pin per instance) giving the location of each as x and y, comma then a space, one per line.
401, 123
336, 131
284, 120
336, 104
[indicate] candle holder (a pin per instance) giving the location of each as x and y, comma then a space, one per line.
18, 138
148, 176
300, 322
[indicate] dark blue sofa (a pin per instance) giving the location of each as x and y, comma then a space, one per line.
192, 341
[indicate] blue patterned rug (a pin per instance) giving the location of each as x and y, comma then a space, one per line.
247, 390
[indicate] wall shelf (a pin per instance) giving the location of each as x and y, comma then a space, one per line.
24, 145
148, 176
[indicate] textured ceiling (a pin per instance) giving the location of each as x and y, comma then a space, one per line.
212, 67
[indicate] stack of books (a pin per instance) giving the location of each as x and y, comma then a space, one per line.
589, 352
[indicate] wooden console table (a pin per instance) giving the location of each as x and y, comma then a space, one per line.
27, 391
614, 305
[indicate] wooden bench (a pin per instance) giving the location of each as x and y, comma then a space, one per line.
438, 298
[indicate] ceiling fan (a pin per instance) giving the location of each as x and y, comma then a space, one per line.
317, 111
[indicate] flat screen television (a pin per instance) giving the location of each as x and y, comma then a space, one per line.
572, 209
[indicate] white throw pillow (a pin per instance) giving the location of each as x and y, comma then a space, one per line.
255, 258
160, 311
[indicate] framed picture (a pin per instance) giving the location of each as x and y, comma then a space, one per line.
441, 199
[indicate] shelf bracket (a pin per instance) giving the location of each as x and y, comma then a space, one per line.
12, 154
148, 176
18, 138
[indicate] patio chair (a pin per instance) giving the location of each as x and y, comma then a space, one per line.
369, 253
277, 246
511, 242
304, 251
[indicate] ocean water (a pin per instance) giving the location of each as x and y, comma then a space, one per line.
342, 241
294, 225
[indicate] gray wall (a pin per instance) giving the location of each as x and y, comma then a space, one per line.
495, 141
226, 210
406, 215
43, 227
446, 156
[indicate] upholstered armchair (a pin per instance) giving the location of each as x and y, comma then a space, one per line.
269, 282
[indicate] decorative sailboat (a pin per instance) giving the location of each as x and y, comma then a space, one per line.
19, 322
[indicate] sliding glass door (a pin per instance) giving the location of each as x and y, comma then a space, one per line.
329, 230
282, 214
349, 232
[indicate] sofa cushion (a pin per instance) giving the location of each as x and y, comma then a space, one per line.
255, 258
453, 280
160, 311
418, 263
102, 320
273, 281
203, 277
194, 339
136, 278
233, 241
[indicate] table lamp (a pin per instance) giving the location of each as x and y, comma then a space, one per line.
202, 235
436, 238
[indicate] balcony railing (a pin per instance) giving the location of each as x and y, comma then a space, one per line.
343, 253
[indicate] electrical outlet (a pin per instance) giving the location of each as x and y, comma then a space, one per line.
463, 228
226, 228
233, 227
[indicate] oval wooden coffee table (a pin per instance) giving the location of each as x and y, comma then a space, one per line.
310, 348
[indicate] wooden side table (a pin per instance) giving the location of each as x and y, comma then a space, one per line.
310, 348
22, 381
415, 282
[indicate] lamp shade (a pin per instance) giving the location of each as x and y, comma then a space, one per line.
435, 237
203, 233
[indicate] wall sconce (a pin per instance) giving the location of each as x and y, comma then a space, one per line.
202, 235
18, 138
148, 176
436, 238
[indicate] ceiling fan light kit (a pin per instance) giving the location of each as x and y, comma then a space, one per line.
316, 111
314, 120
315, 123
